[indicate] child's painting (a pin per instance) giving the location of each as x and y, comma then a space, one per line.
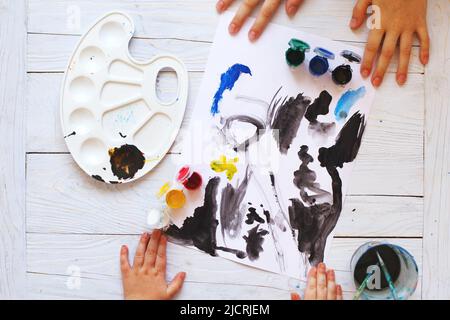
275, 145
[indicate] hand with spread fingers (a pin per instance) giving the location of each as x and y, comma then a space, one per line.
321, 285
268, 9
400, 20
146, 279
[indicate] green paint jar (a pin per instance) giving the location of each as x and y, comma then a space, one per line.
295, 55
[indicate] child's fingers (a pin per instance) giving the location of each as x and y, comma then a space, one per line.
373, 44
175, 286
339, 295
140, 251
359, 13
124, 262
161, 255
424, 45
389, 46
152, 249
267, 11
223, 5
292, 7
321, 282
242, 14
295, 296
406, 41
331, 285
311, 287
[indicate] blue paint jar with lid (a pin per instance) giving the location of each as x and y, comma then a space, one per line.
319, 65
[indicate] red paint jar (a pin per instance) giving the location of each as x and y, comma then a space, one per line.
191, 180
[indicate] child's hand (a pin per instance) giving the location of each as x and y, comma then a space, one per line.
321, 285
268, 10
400, 20
146, 280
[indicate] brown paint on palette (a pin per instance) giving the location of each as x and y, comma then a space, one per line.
126, 161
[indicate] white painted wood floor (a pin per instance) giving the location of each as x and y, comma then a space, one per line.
55, 220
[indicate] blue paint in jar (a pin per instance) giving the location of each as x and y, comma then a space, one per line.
319, 65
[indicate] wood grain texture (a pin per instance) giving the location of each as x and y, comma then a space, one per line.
63, 199
12, 148
51, 258
390, 161
186, 19
51, 53
436, 251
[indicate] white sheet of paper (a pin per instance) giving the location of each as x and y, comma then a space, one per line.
251, 95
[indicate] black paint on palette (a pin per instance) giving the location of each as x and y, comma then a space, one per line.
200, 229
126, 161
255, 240
370, 258
70, 134
98, 178
231, 214
287, 119
316, 222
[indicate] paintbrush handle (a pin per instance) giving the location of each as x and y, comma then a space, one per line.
362, 287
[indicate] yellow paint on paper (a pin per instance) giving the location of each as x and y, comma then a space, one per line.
163, 190
224, 165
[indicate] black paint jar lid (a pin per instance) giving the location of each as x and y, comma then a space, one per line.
351, 56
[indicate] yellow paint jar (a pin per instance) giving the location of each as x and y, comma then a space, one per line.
175, 199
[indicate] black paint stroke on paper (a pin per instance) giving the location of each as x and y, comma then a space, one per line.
347, 143
305, 179
253, 216
200, 229
320, 106
231, 213
255, 240
315, 223
229, 121
287, 119
126, 161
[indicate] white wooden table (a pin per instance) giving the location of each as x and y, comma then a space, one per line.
56, 222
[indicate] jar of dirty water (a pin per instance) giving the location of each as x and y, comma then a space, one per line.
373, 259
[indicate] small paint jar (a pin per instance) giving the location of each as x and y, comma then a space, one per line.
295, 55
175, 199
400, 264
190, 179
158, 218
319, 65
343, 74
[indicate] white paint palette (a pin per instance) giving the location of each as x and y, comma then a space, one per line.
115, 126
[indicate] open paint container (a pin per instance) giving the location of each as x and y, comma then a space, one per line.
400, 264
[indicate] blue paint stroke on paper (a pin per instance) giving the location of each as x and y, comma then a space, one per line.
227, 81
347, 101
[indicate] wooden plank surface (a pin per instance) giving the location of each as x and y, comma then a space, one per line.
437, 156
63, 199
50, 53
12, 147
73, 220
185, 19
390, 161
95, 257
